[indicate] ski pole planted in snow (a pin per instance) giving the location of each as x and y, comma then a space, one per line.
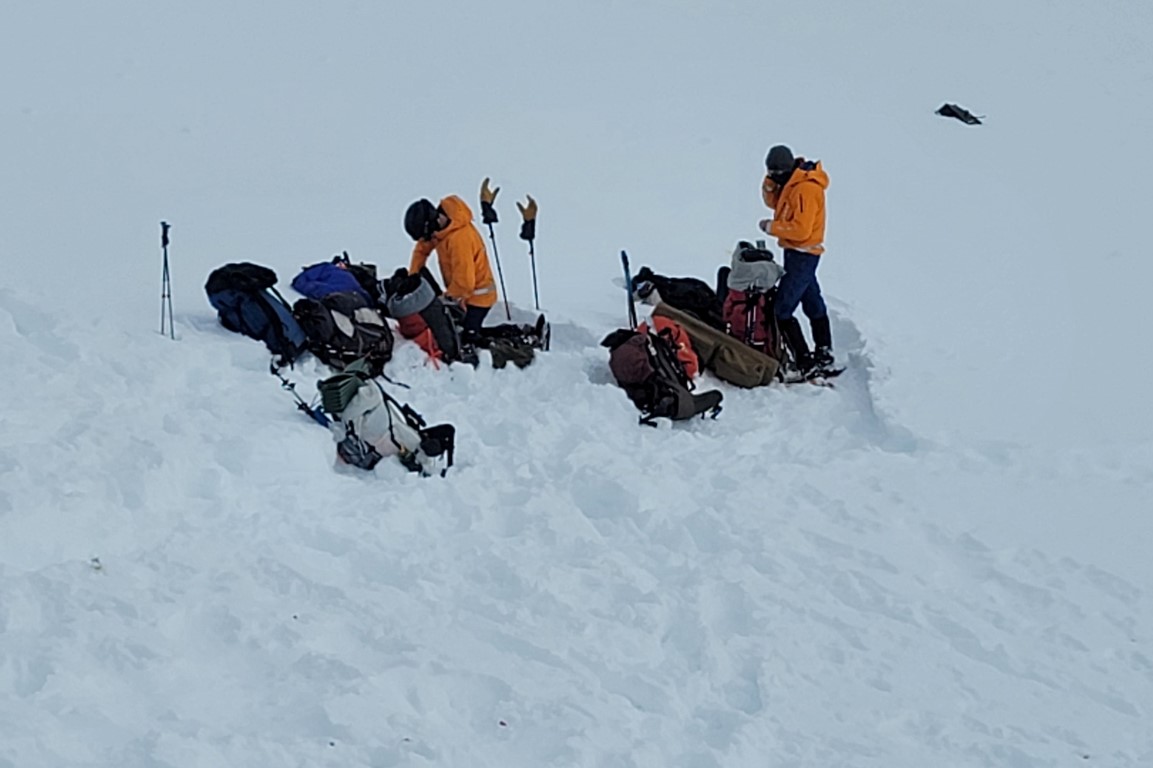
528, 232
165, 284
629, 288
488, 216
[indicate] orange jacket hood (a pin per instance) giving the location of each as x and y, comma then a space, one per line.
810, 172
458, 213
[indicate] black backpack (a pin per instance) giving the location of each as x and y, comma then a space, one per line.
414, 301
246, 302
688, 294
364, 273
646, 367
342, 328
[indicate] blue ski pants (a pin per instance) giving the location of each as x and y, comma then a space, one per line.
799, 286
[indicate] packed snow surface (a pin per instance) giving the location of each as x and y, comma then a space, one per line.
941, 562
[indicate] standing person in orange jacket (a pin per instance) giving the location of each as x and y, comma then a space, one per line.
795, 189
448, 229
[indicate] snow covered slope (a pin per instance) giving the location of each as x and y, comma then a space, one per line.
941, 562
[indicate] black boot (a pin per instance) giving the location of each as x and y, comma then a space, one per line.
543, 332
795, 341
469, 341
823, 341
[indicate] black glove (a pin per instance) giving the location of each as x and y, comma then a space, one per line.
528, 212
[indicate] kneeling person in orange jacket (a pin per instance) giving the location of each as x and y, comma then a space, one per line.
461, 255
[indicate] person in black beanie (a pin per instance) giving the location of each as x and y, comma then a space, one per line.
794, 188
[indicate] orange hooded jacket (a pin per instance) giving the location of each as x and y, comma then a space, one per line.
799, 219
461, 255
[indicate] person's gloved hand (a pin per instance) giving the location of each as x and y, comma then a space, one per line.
454, 304
528, 213
765, 225
770, 190
456, 308
487, 197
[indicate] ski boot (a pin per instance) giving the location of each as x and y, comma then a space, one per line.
468, 353
543, 333
823, 360
802, 361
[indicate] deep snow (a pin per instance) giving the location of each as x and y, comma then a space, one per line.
941, 562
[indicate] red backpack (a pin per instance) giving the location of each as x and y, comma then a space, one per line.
672, 332
748, 290
646, 367
749, 317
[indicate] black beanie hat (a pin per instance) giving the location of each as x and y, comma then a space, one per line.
779, 160
420, 219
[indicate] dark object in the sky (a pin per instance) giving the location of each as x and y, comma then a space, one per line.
962, 114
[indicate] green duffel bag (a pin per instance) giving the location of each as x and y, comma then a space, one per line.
728, 358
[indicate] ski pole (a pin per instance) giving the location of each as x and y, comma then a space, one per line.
488, 215
166, 284
499, 272
629, 288
314, 413
528, 232
535, 292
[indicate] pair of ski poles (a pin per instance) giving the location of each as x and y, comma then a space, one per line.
527, 233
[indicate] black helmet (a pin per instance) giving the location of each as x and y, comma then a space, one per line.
420, 220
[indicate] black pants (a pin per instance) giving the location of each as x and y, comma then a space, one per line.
473, 320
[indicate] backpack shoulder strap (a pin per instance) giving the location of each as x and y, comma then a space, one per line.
663, 350
439, 440
291, 349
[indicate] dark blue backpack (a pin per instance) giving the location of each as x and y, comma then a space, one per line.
246, 302
327, 278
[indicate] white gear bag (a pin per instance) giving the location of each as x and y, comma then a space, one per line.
368, 424
753, 268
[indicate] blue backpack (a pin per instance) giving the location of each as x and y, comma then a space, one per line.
246, 302
327, 278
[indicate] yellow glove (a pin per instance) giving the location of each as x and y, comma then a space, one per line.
528, 213
487, 197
